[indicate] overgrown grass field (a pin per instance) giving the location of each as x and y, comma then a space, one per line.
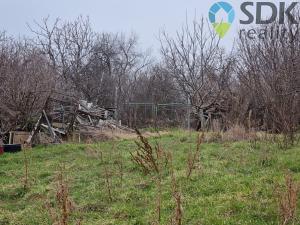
234, 183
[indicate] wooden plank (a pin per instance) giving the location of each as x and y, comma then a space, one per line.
52, 133
34, 131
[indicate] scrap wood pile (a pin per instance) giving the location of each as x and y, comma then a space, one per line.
64, 118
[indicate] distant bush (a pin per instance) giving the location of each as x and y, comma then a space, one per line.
235, 133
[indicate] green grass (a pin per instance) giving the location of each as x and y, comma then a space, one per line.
235, 185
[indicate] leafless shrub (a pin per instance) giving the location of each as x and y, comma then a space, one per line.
193, 157
26, 81
287, 200
269, 81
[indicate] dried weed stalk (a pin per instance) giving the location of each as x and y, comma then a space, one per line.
120, 165
193, 157
26, 170
151, 160
64, 205
178, 213
108, 182
63, 199
146, 156
288, 201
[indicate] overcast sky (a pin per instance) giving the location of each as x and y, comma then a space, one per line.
144, 17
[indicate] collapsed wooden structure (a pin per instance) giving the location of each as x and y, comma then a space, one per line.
64, 117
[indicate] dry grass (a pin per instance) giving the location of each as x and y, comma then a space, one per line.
235, 133
125, 135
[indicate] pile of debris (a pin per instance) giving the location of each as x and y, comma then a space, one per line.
66, 119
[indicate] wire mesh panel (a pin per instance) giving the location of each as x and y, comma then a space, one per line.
158, 115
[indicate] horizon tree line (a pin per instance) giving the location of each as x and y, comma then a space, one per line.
257, 81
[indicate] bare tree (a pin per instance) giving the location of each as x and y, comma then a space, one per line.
268, 72
100, 67
199, 66
26, 82
68, 46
